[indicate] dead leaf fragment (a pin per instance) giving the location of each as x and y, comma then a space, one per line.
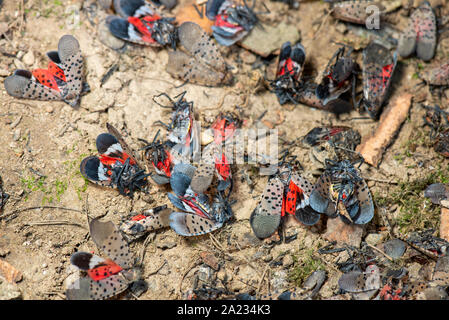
389, 124
11, 274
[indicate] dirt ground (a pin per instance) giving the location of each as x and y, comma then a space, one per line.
44, 143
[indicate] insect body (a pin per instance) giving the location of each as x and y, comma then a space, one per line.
105, 277
140, 23
63, 80
338, 76
233, 20
340, 190
116, 166
286, 193
420, 34
288, 75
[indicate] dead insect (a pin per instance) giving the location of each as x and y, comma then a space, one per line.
364, 285
116, 165
438, 121
307, 95
104, 277
378, 68
233, 19
332, 142
339, 76
138, 225
287, 192
140, 23
198, 60
356, 11
217, 157
198, 216
341, 190
420, 34
290, 67
436, 76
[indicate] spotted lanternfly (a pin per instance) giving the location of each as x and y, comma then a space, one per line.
378, 67
105, 278
198, 59
438, 120
319, 135
341, 190
116, 166
158, 155
287, 192
436, 76
151, 220
307, 95
338, 77
140, 23
361, 282
288, 74
355, 11
232, 20
437, 192
332, 142
420, 34
199, 216
62, 80
217, 156
182, 130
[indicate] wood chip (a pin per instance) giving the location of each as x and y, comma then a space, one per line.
189, 13
390, 122
11, 274
444, 226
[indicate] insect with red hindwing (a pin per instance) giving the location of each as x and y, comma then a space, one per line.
198, 216
341, 190
138, 225
420, 34
233, 20
338, 76
332, 142
378, 68
158, 154
104, 278
116, 166
183, 131
288, 75
217, 156
62, 80
287, 192
355, 11
140, 23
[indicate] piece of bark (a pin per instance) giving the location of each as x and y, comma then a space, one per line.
189, 13
343, 233
11, 274
444, 223
390, 122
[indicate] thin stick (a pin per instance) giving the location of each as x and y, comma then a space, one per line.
38, 207
158, 269
382, 181
261, 280
54, 222
380, 251
322, 23
194, 264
